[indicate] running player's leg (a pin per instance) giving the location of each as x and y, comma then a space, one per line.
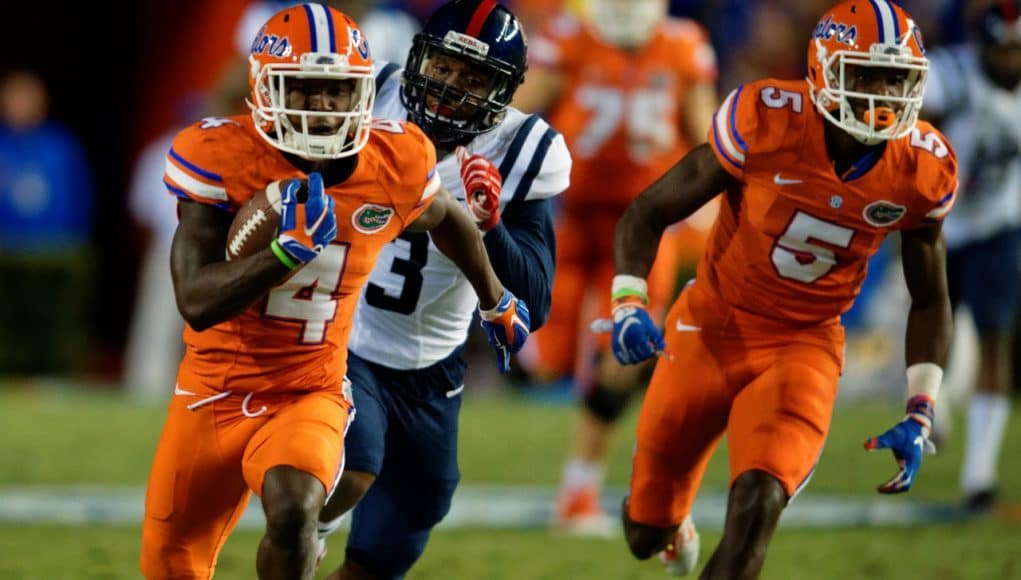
364, 444
991, 287
294, 461
778, 424
682, 418
391, 525
195, 493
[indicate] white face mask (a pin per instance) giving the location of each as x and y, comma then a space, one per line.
289, 129
886, 116
626, 23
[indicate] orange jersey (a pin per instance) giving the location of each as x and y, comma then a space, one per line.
295, 339
621, 112
792, 243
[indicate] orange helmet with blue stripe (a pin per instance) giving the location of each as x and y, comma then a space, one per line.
853, 41
303, 44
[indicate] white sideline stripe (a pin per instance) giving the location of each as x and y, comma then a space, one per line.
476, 506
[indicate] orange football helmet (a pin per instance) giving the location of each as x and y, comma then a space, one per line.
850, 42
311, 42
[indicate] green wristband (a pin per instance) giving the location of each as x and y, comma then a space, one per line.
282, 255
625, 292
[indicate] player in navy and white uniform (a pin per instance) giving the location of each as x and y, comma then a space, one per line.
405, 361
974, 91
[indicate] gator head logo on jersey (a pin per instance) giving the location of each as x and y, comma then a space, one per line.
883, 213
302, 51
371, 218
867, 69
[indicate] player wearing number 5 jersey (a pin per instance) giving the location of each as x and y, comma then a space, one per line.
816, 174
632, 90
411, 323
260, 403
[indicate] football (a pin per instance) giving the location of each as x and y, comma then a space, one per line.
256, 224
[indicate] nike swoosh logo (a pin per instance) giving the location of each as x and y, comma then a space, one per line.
781, 181
681, 327
179, 391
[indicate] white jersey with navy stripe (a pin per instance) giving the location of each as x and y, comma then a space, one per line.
981, 121
417, 306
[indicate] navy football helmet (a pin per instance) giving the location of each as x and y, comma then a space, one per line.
999, 34
1001, 23
482, 33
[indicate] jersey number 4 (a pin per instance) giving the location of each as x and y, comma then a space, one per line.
310, 296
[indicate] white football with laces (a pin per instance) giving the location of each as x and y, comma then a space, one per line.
256, 224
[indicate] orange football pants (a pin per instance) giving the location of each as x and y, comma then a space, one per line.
770, 387
582, 285
211, 458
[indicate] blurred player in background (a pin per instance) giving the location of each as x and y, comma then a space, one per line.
816, 174
974, 93
261, 402
406, 352
632, 90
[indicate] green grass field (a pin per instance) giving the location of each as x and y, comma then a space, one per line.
63, 437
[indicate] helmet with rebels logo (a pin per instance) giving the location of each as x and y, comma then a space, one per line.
311, 43
864, 35
487, 36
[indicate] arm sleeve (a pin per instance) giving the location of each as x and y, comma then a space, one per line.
522, 249
732, 123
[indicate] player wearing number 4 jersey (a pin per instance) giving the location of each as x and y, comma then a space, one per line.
261, 403
406, 348
816, 174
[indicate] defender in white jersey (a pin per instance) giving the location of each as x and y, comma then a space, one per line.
405, 359
974, 94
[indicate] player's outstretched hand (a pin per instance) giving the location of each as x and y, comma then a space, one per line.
306, 227
635, 336
908, 440
482, 186
507, 325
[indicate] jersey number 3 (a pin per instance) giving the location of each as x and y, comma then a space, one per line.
410, 269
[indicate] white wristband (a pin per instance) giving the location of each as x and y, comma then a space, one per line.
924, 379
623, 283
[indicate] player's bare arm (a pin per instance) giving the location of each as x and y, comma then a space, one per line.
454, 232
687, 186
208, 288
923, 252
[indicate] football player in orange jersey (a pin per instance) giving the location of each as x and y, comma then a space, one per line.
631, 90
815, 174
261, 403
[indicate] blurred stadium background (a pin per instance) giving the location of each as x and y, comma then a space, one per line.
82, 387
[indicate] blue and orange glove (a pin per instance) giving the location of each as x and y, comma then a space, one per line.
635, 336
306, 227
507, 325
908, 440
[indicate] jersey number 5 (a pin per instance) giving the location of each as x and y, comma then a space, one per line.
310, 296
798, 253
